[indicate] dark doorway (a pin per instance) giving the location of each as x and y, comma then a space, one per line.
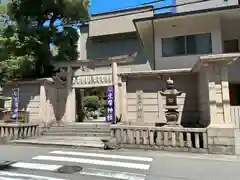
231, 46
91, 104
234, 92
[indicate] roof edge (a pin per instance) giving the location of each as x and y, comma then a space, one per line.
195, 12
204, 60
122, 10
33, 81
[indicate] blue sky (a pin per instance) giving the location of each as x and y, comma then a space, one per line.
98, 6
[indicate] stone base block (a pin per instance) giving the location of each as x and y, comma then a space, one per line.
221, 140
221, 149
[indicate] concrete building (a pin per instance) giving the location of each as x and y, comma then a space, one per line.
197, 49
175, 45
136, 51
193, 5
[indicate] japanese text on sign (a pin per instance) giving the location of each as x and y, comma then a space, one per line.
15, 103
110, 105
96, 79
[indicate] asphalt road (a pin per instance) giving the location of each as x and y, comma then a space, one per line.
40, 162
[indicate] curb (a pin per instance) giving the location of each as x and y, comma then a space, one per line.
56, 144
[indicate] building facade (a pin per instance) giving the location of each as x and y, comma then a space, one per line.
136, 51
193, 5
167, 45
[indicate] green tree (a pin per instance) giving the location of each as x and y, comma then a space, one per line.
24, 51
3, 9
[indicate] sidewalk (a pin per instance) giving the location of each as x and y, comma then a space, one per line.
185, 166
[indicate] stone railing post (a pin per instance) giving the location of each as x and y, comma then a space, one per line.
10, 132
164, 138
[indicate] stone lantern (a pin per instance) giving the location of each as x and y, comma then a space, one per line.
171, 94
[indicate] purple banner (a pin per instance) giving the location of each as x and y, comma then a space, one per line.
110, 105
15, 103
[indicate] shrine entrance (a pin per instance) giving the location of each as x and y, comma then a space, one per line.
81, 80
91, 104
94, 98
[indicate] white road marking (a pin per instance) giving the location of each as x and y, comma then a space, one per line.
112, 156
6, 178
11, 178
113, 174
36, 166
94, 161
24, 176
208, 157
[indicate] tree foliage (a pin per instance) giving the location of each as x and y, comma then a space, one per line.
25, 51
3, 8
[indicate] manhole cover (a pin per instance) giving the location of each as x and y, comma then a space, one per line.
5, 164
69, 169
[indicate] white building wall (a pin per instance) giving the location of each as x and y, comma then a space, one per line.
203, 5
230, 31
185, 26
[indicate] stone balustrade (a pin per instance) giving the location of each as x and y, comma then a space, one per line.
161, 138
10, 131
235, 115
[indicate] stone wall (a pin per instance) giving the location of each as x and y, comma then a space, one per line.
42, 99
203, 92
50, 103
29, 98
143, 100
221, 140
146, 105
53, 104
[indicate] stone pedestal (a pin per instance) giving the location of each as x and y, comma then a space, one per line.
172, 115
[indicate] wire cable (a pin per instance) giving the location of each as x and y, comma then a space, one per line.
132, 13
153, 9
133, 6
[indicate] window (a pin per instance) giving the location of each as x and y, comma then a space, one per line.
231, 46
234, 92
187, 45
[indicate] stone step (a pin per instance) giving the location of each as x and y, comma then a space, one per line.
62, 142
70, 138
79, 130
94, 121
90, 134
82, 125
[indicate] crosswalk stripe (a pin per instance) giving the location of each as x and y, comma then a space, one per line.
6, 178
24, 176
113, 174
36, 166
112, 156
94, 161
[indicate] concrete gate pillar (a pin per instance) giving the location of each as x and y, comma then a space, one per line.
116, 88
82, 98
221, 132
71, 99
123, 100
214, 69
219, 100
